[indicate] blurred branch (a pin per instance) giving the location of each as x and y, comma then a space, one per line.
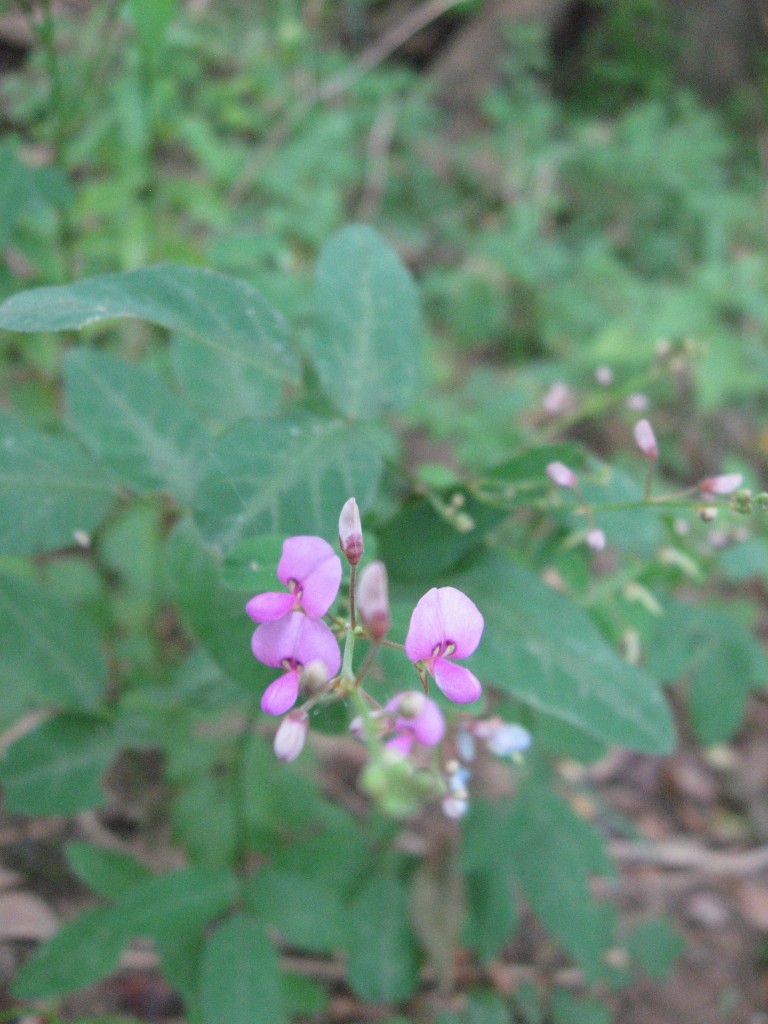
680, 854
392, 40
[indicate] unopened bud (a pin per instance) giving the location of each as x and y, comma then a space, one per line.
637, 402
313, 677
596, 539
604, 375
727, 483
557, 399
411, 704
708, 514
454, 808
291, 736
373, 600
645, 439
561, 475
741, 501
351, 532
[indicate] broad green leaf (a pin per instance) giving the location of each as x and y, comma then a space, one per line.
305, 911
367, 346
218, 386
553, 853
58, 767
213, 612
80, 953
240, 975
382, 957
542, 648
221, 313
655, 945
718, 655
289, 475
133, 423
50, 490
61, 659
110, 873
205, 798
177, 904
492, 916
152, 18
251, 566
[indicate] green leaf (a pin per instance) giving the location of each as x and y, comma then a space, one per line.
722, 660
178, 902
221, 313
240, 975
110, 873
542, 648
567, 1008
133, 423
289, 475
251, 566
492, 916
61, 661
655, 945
50, 490
214, 613
554, 853
79, 954
382, 957
58, 767
305, 911
218, 386
367, 347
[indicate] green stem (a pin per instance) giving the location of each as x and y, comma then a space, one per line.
352, 578
240, 789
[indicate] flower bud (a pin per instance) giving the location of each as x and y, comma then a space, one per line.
708, 514
313, 677
291, 736
727, 483
638, 402
561, 475
351, 532
604, 375
373, 600
645, 439
454, 808
596, 539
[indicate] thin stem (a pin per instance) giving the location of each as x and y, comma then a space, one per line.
649, 480
352, 578
349, 649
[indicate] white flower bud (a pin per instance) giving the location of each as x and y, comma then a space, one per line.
373, 600
291, 736
596, 539
561, 475
351, 532
645, 439
726, 483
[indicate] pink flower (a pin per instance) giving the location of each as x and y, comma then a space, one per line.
290, 643
561, 475
291, 735
312, 573
727, 483
445, 624
645, 439
417, 719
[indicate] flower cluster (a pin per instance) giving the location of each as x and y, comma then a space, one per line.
404, 733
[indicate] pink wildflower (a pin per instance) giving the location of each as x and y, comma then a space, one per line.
290, 643
291, 735
638, 402
417, 719
351, 532
727, 483
557, 399
446, 624
312, 573
561, 475
645, 439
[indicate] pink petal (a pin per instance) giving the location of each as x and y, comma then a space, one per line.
316, 642
311, 562
457, 683
291, 735
275, 642
281, 695
443, 615
427, 724
320, 587
270, 606
425, 632
401, 743
462, 621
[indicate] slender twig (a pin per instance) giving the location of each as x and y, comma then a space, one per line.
682, 855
